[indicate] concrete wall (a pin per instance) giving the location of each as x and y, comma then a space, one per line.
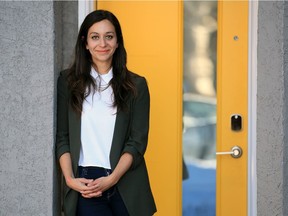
272, 103
33, 50
285, 113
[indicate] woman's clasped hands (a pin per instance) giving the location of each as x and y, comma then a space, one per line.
90, 188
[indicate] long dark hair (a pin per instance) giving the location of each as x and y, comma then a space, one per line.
81, 83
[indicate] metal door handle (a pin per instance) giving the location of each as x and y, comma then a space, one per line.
236, 152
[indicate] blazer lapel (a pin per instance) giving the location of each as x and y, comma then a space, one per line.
75, 138
120, 132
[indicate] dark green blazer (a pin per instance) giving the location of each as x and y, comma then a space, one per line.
130, 135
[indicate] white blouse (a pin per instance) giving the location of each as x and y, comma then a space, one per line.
97, 123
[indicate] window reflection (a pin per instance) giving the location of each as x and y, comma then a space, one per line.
199, 107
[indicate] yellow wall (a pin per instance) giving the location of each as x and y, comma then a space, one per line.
153, 39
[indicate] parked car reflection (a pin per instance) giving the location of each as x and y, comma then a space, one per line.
199, 127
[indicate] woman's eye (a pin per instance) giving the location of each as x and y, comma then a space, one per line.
95, 37
109, 37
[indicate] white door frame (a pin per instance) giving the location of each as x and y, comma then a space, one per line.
252, 107
84, 8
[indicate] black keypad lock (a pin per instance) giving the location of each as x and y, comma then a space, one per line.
236, 122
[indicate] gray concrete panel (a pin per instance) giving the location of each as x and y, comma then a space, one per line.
285, 112
27, 108
271, 102
32, 52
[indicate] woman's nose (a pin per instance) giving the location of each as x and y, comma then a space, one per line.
102, 42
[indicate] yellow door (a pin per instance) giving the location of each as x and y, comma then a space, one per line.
232, 103
153, 35
153, 38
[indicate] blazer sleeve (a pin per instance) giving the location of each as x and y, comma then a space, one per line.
139, 128
62, 130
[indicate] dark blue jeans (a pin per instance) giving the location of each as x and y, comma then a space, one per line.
109, 204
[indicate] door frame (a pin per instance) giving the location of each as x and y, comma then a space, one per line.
84, 7
252, 107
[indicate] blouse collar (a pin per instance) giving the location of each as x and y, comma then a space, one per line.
105, 77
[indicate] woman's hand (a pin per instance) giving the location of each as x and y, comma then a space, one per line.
78, 184
98, 186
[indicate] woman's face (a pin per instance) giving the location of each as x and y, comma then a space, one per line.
102, 42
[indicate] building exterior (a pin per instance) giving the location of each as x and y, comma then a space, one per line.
36, 42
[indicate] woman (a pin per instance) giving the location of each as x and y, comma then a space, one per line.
102, 126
